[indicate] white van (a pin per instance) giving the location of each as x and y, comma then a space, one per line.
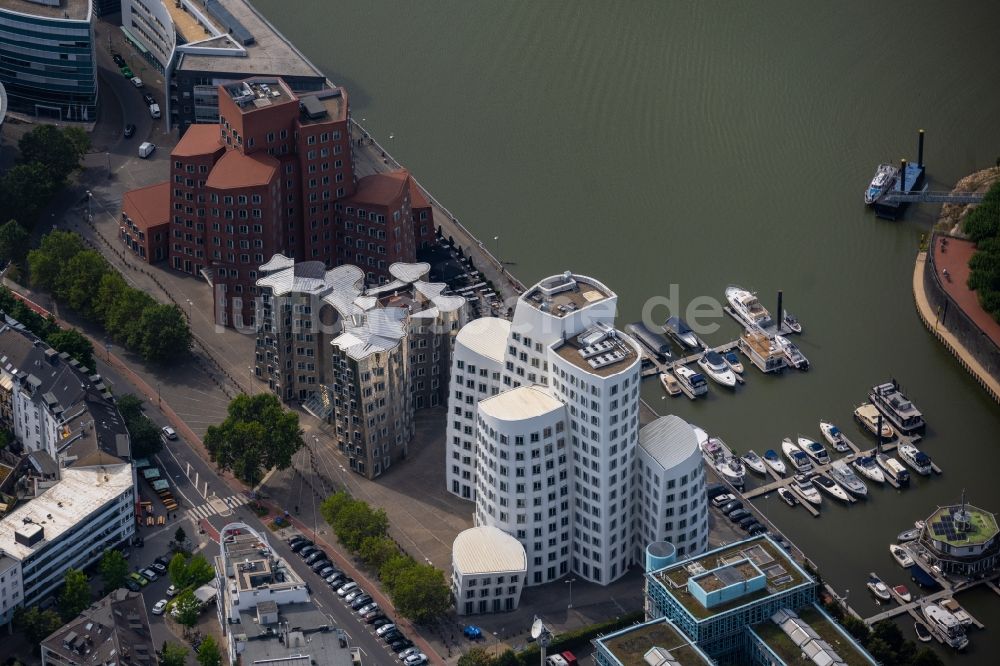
154, 110
146, 149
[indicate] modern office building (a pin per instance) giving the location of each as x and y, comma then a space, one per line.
47, 60
114, 630
800, 636
149, 27
145, 225
55, 405
962, 540
70, 525
364, 359
488, 570
654, 643
553, 446
671, 505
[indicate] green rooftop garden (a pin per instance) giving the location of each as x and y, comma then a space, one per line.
783, 646
984, 527
630, 647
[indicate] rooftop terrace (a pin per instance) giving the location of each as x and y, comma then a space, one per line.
75, 10
629, 646
566, 293
779, 641
781, 573
606, 356
942, 526
259, 93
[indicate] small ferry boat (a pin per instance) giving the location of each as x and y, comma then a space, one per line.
713, 365
691, 382
670, 383
804, 486
902, 557
960, 613
791, 323
893, 469
867, 467
718, 455
788, 496
747, 307
947, 624
814, 450
831, 487
915, 458
734, 362
832, 434
754, 462
924, 634
798, 459
901, 413
885, 176
903, 593
878, 588
867, 415
795, 358
908, 535
848, 480
678, 329
772, 460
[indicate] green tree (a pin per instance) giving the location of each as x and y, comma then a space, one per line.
46, 263
75, 595
377, 550
257, 434
477, 656
36, 624
357, 521
58, 151
74, 343
177, 570
421, 593
180, 536
883, 653
76, 281
209, 653
112, 286
123, 319
507, 658
166, 336
927, 657
145, 435
856, 628
114, 569
174, 655
13, 242
393, 570
330, 507
27, 189
187, 608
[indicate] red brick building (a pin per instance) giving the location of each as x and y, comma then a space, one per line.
145, 223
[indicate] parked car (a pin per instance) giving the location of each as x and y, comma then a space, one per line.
165, 561
715, 490
344, 589
168, 432
307, 551
353, 594
154, 111
392, 636
299, 546
138, 579
136, 81
129, 130
146, 149
337, 579
407, 652
380, 622
746, 522
149, 575
384, 629
732, 506
416, 659
148, 99
119, 60
158, 568
372, 614
315, 555
400, 645
360, 601
367, 608
722, 500
172, 590
756, 528
295, 539
319, 564
326, 571
132, 585
738, 515
126, 72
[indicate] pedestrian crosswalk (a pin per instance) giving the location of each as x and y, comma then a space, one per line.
218, 506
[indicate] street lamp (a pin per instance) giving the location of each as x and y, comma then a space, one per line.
570, 582
250, 376
190, 311
496, 239
90, 213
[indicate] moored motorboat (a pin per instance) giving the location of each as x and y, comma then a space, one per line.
885, 176
878, 588
788, 496
806, 489
848, 480
924, 634
791, 322
915, 458
718, 455
691, 382
831, 487
734, 362
832, 434
893, 469
960, 613
867, 467
867, 415
798, 459
678, 329
908, 535
814, 450
754, 462
747, 307
897, 408
903, 593
902, 557
713, 365
793, 354
772, 460
947, 624
670, 383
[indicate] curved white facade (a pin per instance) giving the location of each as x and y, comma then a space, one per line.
488, 570
149, 22
670, 488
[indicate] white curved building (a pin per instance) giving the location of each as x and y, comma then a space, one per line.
148, 24
488, 571
670, 488
576, 418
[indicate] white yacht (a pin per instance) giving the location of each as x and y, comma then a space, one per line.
717, 369
915, 458
798, 459
670, 383
867, 414
678, 329
733, 361
878, 588
718, 455
867, 467
893, 469
902, 557
747, 307
754, 462
692, 383
832, 434
846, 477
814, 450
791, 322
774, 462
947, 624
830, 486
806, 489
793, 355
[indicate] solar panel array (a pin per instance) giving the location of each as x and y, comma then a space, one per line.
945, 527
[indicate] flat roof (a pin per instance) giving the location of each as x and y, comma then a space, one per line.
488, 550
562, 294
259, 93
782, 644
942, 526
270, 53
629, 646
780, 569
80, 492
487, 336
186, 25
74, 10
669, 440
304, 635
521, 403
333, 102
623, 351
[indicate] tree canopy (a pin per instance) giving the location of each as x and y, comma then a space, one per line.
143, 433
257, 434
75, 595
187, 608
209, 653
114, 569
190, 572
173, 655
74, 343
421, 593
982, 225
13, 242
35, 623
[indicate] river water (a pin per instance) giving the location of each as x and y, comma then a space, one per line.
695, 144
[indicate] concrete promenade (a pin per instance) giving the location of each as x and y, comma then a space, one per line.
950, 342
